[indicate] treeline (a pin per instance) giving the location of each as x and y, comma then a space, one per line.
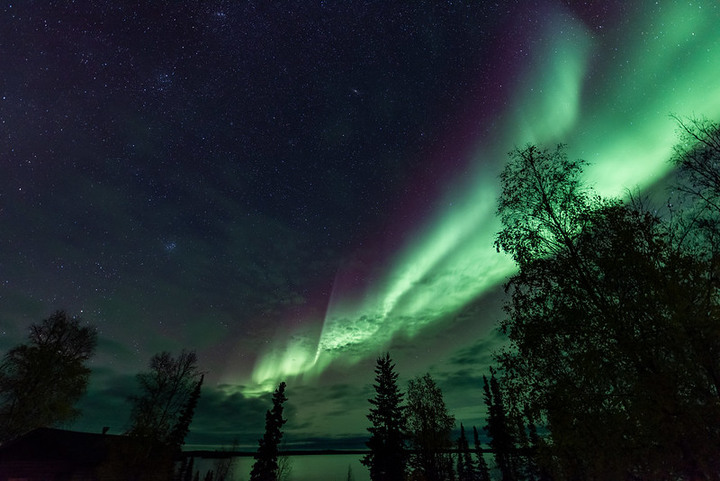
612, 319
412, 438
611, 372
42, 380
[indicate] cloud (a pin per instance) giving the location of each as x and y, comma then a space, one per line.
105, 403
224, 415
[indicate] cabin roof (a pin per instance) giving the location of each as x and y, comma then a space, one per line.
59, 444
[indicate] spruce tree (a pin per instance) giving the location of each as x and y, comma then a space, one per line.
388, 458
182, 427
482, 467
266, 458
188, 472
466, 470
497, 427
180, 472
534, 470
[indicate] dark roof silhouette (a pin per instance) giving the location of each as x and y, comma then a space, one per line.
47, 453
49, 443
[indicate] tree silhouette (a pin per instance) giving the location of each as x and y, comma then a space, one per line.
501, 439
266, 458
224, 467
466, 469
696, 233
696, 155
609, 327
42, 380
160, 417
387, 458
482, 467
189, 470
182, 426
166, 391
430, 427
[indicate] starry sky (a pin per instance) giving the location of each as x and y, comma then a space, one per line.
293, 188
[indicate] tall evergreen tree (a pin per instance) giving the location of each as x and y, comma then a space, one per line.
182, 426
387, 458
189, 470
180, 470
466, 470
497, 427
482, 467
535, 470
266, 458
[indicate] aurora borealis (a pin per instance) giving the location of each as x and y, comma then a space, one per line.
450, 260
294, 189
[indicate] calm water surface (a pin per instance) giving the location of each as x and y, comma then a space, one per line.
310, 467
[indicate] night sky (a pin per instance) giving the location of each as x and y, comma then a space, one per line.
294, 188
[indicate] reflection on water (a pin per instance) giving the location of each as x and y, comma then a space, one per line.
311, 467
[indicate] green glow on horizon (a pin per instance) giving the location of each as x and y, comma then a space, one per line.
294, 359
665, 64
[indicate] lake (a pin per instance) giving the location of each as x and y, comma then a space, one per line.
306, 467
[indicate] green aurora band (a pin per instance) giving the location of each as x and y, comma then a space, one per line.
608, 97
